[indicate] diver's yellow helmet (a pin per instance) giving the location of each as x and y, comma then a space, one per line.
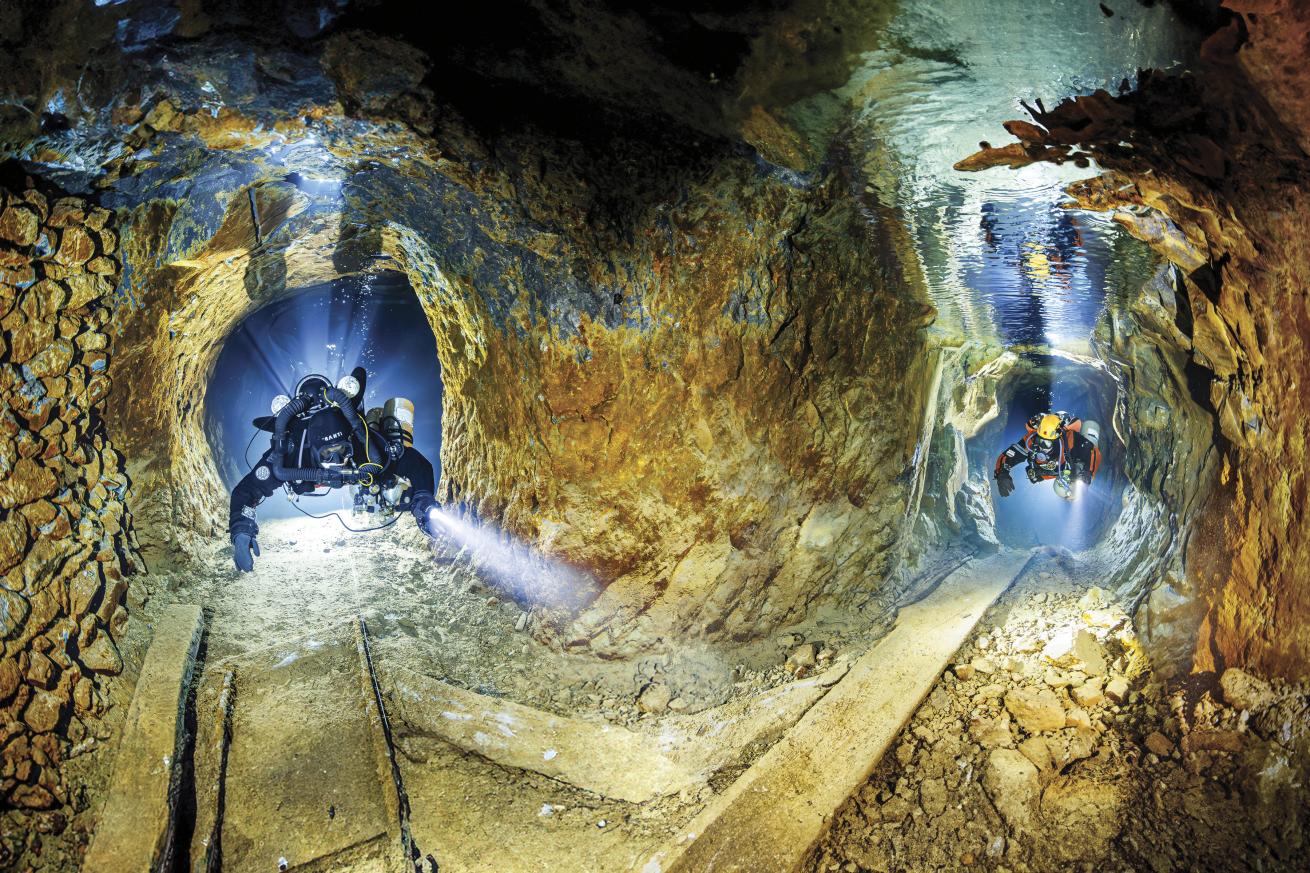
1049, 427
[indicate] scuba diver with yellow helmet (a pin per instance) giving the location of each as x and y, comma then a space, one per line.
1056, 446
322, 440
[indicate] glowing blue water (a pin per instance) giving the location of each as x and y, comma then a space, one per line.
377, 323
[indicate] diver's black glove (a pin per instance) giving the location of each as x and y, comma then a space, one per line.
244, 543
1004, 482
419, 505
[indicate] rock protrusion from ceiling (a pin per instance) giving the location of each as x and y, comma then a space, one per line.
1211, 175
66, 537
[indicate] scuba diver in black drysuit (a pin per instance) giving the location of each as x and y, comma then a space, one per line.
323, 440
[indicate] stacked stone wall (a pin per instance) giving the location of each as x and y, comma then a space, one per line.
66, 541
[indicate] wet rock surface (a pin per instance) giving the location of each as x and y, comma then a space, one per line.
663, 361
1009, 770
683, 343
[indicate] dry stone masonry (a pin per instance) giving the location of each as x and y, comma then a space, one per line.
66, 541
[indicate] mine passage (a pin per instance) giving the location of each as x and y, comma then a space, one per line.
781, 435
374, 323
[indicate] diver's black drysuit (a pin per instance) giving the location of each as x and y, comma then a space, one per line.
310, 441
252, 489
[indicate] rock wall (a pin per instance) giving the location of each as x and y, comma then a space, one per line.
689, 372
1214, 177
66, 541
711, 408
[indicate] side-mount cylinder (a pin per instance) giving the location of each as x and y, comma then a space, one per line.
1092, 431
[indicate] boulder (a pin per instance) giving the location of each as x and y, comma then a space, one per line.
1212, 741
43, 711
1078, 717
75, 247
933, 796
1089, 693
992, 733
1013, 784
1076, 649
1035, 709
32, 797
53, 359
1158, 744
1241, 690
83, 696
9, 678
1117, 689
19, 225
14, 610
29, 482
13, 542
654, 698
801, 660
1081, 817
1037, 750
100, 655
41, 671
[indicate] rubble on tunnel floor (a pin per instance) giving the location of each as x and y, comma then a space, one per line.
1052, 743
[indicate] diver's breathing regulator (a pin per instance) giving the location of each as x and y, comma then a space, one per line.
391, 424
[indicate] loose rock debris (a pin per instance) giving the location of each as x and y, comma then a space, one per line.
1061, 749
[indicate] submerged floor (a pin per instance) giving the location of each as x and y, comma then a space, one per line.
1048, 743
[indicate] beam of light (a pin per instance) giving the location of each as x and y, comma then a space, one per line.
527, 574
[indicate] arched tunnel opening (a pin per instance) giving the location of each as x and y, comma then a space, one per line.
712, 351
374, 322
1036, 514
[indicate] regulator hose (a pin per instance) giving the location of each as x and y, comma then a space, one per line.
334, 478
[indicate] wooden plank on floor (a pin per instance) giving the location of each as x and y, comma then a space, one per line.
772, 816
304, 786
134, 833
606, 759
599, 757
214, 699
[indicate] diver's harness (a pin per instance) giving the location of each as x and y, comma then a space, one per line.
331, 478
370, 496
1066, 473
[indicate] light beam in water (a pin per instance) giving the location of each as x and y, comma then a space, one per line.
529, 575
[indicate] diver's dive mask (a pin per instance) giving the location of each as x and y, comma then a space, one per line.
335, 455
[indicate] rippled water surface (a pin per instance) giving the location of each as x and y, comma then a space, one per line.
1002, 260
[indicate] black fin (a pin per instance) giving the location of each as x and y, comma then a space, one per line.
265, 422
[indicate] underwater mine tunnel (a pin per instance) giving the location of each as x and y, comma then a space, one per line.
712, 325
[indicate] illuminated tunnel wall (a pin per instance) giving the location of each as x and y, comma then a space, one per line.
375, 322
1034, 514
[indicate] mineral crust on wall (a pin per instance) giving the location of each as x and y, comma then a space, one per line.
66, 541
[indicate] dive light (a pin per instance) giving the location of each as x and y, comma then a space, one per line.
348, 385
